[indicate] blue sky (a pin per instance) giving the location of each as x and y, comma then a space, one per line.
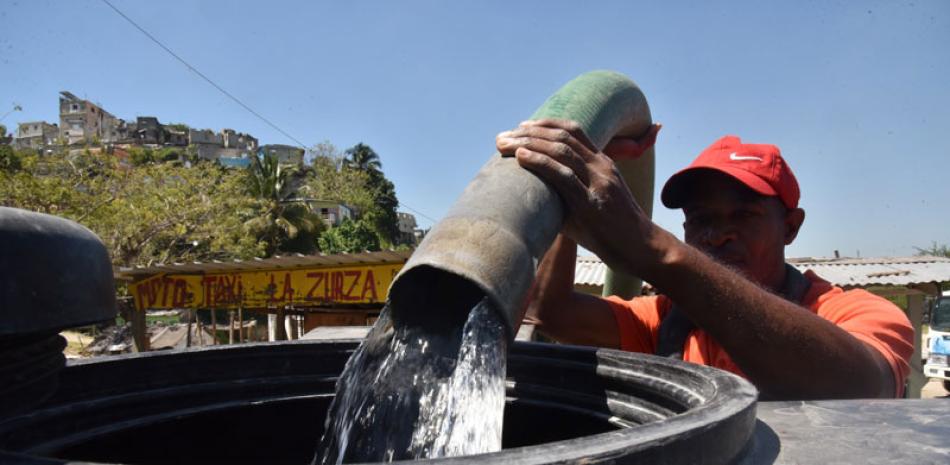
856, 94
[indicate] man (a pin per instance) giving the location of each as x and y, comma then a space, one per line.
728, 298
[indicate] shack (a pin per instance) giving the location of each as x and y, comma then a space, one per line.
296, 293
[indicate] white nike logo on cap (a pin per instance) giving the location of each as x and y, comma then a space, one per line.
734, 157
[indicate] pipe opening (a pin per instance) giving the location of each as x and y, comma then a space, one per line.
433, 300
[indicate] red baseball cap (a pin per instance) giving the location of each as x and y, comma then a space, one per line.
760, 167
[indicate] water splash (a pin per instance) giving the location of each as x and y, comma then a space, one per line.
411, 393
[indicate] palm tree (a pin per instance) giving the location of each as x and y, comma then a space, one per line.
285, 222
362, 157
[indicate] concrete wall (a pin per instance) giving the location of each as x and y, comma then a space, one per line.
81, 121
35, 134
284, 153
204, 136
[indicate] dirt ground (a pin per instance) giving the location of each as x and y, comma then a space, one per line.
934, 389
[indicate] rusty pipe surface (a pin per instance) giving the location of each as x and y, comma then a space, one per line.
492, 238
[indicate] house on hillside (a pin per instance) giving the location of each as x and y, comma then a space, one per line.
228, 147
407, 228
83, 122
332, 212
232, 139
35, 135
286, 154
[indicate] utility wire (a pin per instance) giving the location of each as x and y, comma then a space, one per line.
228, 94
202, 76
417, 212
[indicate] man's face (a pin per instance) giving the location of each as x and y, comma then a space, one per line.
738, 227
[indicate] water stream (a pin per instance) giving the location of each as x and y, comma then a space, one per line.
415, 392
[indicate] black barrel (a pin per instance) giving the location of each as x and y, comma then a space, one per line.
266, 404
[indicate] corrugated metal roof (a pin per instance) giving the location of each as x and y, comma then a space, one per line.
273, 263
890, 271
589, 271
844, 272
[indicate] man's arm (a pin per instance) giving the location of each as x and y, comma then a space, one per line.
786, 352
563, 314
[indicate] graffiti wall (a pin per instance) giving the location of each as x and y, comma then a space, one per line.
264, 289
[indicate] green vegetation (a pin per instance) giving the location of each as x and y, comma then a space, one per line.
350, 237
163, 205
362, 158
283, 220
9, 159
937, 250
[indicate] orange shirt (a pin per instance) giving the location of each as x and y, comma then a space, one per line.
872, 319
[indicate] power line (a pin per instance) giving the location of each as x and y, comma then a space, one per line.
202, 76
417, 212
228, 94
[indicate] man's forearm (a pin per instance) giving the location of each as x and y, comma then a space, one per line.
562, 313
787, 351
554, 282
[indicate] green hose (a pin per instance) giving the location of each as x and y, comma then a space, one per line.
591, 101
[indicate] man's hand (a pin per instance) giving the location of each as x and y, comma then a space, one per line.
602, 214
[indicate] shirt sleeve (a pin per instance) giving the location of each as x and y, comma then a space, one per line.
637, 322
878, 323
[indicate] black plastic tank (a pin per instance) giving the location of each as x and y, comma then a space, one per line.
266, 404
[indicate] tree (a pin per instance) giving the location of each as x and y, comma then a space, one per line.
351, 236
9, 159
333, 180
382, 214
363, 158
157, 213
284, 221
942, 250
140, 156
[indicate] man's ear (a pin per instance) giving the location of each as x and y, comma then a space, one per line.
793, 222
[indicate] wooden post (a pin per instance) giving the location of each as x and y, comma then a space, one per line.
230, 326
240, 324
191, 316
214, 328
139, 335
281, 332
292, 335
200, 332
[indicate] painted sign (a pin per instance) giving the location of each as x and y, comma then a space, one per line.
265, 289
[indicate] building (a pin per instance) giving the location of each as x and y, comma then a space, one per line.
229, 147
175, 137
83, 122
234, 162
238, 140
148, 131
35, 135
332, 212
204, 137
407, 228
287, 154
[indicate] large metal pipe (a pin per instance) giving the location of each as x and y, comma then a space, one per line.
493, 237
639, 176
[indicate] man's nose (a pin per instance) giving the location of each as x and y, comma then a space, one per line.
719, 234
